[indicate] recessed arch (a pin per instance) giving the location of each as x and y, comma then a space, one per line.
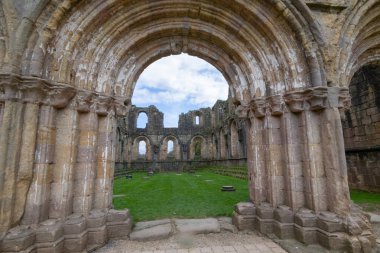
116, 52
136, 147
142, 120
198, 148
164, 148
359, 41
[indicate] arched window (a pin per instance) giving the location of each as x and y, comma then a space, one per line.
197, 120
142, 149
142, 120
170, 148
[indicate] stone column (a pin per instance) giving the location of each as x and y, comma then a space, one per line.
33, 95
62, 187
274, 152
105, 154
293, 128
86, 159
10, 141
333, 154
314, 173
37, 203
257, 167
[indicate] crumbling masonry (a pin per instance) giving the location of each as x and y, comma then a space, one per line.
219, 134
68, 70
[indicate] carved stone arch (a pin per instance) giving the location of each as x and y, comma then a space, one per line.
137, 115
149, 148
198, 142
109, 61
359, 41
164, 147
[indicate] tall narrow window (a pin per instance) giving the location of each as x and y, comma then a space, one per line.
197, 120
170, 148
142, 120
142, 150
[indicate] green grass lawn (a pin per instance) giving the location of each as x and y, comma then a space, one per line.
369, 201
181, 195
365, 197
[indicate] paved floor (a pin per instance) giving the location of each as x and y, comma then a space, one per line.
224, 242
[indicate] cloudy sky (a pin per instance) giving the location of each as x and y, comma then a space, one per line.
177, 84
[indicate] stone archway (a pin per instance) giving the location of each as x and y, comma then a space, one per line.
176, 152
69, 71
198, 148
136, 146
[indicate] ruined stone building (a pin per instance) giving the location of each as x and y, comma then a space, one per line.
205, 134
68, 69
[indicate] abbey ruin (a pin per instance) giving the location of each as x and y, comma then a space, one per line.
68, 69
206, 134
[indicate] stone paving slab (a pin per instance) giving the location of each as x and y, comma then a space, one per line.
152, 230
197, 226
250, 248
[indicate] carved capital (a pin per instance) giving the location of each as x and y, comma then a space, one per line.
34, 91
295, 101
84, 101
258, 106
103, 105
242, 111
60, 96
317, 98
276, 105
9, 88
344, 99
122, 107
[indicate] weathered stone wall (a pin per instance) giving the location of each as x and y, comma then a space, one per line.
288, 65
361, 129
211, 122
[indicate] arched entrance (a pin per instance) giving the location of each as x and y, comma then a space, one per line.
70, 68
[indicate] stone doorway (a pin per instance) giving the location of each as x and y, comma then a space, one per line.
68, 70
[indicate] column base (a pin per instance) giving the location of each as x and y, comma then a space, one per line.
76, 233
350, 234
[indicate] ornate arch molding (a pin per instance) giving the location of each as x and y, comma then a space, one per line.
359, 40
71, 40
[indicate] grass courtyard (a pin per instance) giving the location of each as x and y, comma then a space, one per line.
181, 195
185, 195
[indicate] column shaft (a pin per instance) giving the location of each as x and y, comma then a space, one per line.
257, 165
293, 159
37, 203
86, 163
61, 201
10, 142
335, 162
25, 171
274, 161
105, 162
315, 178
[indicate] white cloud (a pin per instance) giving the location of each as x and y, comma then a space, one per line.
178, 84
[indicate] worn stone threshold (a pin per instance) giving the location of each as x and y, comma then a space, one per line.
162, 229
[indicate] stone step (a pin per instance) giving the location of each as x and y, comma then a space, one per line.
152, 230
162, 229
